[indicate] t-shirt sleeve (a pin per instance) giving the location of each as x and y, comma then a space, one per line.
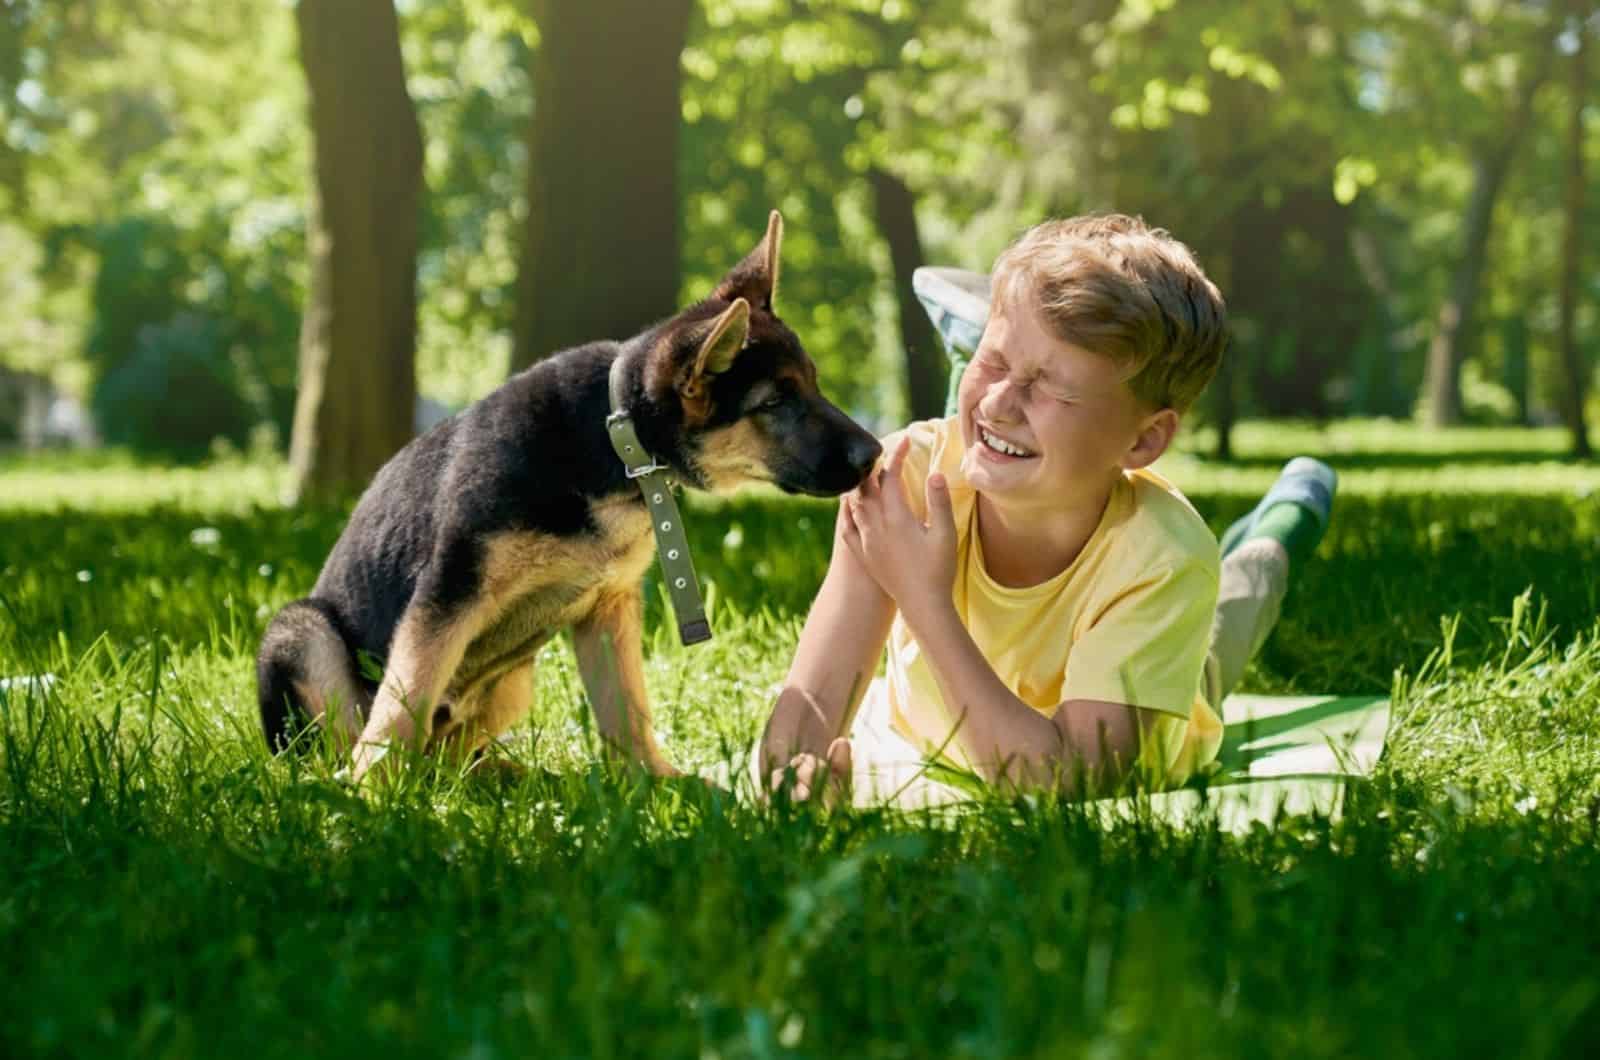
1146, 647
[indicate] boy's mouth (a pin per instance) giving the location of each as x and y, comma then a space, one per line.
993, 443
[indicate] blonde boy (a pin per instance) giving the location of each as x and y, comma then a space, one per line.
1047, 600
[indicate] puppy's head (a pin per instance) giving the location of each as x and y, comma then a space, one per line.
746, 391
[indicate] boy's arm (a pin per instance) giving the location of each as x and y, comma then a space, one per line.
1085, 747
839, 648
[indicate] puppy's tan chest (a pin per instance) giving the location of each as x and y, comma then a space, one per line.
535, 584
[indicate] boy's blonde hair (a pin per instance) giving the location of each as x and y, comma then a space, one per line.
1117, 287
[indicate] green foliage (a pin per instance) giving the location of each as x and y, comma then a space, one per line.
175, 393
182, 341
163, 171
468, 71
1318, 156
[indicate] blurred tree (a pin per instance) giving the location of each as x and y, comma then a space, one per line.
1455, 58
600, 252
357, 379
468, 66
924, 365
1572, 408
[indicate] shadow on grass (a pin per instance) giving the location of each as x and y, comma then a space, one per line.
1234, 756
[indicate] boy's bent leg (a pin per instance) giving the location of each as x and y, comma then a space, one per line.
1257, 553
1250, 591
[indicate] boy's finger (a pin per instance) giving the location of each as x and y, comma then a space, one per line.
897, 458
941, 516
854, 516
865, 512
839, 761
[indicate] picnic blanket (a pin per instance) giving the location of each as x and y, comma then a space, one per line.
1280, 755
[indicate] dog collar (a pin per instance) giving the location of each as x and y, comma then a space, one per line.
666, 522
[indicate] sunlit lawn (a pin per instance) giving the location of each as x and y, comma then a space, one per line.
167, 889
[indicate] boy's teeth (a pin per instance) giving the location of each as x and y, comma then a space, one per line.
999, 444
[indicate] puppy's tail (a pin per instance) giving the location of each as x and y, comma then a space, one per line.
305, 674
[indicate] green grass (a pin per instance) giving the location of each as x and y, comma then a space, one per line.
167, 889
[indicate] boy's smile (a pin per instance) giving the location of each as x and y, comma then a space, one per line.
996, 447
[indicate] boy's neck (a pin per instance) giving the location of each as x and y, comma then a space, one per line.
1026, 545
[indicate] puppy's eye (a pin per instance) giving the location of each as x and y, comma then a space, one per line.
770, 404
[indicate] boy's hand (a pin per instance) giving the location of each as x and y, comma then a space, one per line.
813, 776
914, 562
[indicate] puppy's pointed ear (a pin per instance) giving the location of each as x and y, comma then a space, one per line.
721, 346
756, 277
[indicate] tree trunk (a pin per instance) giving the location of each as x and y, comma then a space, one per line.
1514, 374
1572, 366
1225, 408
357, 384
1383, 390
600, 252
925, 366
1453, 335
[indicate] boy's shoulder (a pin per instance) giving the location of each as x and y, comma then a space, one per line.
1158, 526
936, 445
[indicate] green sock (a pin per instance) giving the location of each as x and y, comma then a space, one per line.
1293, 526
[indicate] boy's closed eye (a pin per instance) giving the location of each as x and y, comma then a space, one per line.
994, 364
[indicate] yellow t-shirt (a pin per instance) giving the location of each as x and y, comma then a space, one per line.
1128, 622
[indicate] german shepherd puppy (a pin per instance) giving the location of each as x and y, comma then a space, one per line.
514, 519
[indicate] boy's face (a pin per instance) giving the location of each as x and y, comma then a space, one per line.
1044, 420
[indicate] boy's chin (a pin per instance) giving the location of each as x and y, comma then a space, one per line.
992, 476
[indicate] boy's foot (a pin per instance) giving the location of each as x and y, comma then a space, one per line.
1294, 511
957, 301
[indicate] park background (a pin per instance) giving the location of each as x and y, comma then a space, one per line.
1392, 195
205, 206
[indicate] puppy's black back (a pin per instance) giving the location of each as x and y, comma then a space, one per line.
529, 456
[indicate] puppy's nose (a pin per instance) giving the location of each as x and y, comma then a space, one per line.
862, 453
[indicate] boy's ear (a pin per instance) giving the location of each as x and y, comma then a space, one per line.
1155, 434
756, 277
720, 347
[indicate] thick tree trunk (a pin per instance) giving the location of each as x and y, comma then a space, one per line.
600, 252
1572, 366
1453, 336
357, 384
925, 365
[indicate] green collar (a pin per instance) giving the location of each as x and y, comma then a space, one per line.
672, 545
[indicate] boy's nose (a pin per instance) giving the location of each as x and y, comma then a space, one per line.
999, 400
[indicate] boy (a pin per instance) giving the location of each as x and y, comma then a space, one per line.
1050, 606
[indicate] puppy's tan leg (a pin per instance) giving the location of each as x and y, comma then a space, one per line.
611, 660
500, 706
505, 703
426, 651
